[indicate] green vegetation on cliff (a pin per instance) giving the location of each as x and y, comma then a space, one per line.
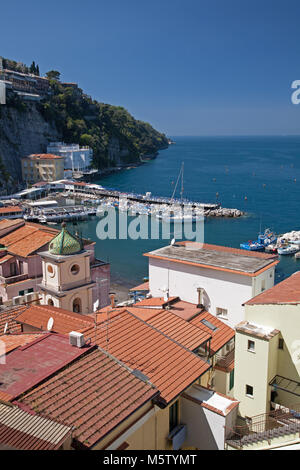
85, 121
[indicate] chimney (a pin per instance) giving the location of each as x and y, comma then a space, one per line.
112, 300
200, 291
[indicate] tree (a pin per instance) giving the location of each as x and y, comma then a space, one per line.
37, 70
32, 68
53, 75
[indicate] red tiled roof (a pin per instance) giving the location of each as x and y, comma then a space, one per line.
64, 320
43, 156
180, 330
220, 336
94, 394
29, 365
170, 366
31, 243
144, 313
286, 292
6, 223
5, 210
5, 258
8, 316
24, 431
185, 310
155, 302
141, 287
13, 341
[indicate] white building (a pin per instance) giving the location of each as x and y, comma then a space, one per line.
76, 158
220, 278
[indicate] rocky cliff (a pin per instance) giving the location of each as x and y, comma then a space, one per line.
66, 114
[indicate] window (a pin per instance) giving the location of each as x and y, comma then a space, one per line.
231, 379
75, 269
251, 345
263, 285
209, 324
173, 416
249, 391
77, 305
222, 312
50, 270
280, 343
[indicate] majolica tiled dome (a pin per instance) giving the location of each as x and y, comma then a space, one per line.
64, 243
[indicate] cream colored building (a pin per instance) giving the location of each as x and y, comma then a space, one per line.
67, 279
42, 167
267, 350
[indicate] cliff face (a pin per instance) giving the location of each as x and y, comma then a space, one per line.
66, 113
22, 132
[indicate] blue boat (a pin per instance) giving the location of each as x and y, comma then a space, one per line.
267, 238
252, 246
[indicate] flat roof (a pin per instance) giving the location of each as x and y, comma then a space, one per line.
29, 365
211, 400
259, 331
216, 257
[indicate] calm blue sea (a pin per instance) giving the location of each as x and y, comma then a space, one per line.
260, 175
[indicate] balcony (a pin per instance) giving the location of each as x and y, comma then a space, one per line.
262, 429
13, 279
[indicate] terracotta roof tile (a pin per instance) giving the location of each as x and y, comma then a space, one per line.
220, 336
94, 394
141, 287
155, 302
29, 365
44, 156
5, 210
13, 341
286, 292
144, 313
8, 316
178, 329
25, 431
64, 320
170, 366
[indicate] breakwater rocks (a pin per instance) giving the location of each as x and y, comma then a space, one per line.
223, 212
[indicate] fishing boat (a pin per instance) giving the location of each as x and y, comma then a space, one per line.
288, 249
272, 248
295, 242
252, 246
267, 237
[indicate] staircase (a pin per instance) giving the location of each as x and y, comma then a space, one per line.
264, 427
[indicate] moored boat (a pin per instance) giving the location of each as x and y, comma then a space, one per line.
252, 246
288, 249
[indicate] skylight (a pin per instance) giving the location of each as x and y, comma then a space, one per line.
209, 325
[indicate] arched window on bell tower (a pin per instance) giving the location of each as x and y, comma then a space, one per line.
77, 305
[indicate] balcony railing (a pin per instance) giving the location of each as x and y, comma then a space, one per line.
12, 279
277, 423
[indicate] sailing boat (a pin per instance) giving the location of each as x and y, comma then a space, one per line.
177, 212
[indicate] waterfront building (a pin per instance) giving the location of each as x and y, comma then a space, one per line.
21, 269
217, 277
11, 212
267, 371
76, 158
42, 167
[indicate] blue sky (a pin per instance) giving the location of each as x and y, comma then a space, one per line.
189, 67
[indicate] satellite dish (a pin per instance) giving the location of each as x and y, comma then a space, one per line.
50, 324
5, 328
173, 241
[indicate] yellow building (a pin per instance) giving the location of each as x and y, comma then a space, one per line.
267, 351
42, 167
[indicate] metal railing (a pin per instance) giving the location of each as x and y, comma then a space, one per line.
267, 426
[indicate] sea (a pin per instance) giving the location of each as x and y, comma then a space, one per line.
258, 175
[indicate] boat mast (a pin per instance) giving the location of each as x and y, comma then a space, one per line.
181, 192
180, 174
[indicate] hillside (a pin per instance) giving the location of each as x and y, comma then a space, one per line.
67, 114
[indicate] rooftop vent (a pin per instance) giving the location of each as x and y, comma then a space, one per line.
76, 339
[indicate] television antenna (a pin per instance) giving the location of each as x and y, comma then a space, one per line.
50, 324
